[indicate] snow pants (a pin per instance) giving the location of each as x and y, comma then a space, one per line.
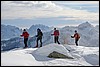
25, 41
39, 38
56, 39
76, 42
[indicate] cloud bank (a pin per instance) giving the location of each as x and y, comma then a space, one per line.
46, 9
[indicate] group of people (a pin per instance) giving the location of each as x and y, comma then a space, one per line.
39, 35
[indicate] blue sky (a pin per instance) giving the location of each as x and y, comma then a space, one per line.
24, 14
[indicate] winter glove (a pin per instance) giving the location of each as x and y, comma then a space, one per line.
72, 37
51, 34
36, 35
21, 35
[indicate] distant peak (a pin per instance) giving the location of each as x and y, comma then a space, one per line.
85, 24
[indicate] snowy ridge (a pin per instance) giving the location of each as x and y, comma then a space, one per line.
89, 36
83, 56
8, 31
52, 47
33, 29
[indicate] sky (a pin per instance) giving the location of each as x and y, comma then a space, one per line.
24, 14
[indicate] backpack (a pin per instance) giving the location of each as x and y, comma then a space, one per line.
78, 36
41, 33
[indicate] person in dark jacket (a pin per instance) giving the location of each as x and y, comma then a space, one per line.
39, 37
76, 36
25, 35
56, 35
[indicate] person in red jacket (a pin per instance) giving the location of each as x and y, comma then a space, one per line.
76, 36
56, 35
25, 35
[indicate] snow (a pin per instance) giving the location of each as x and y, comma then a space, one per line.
50, 48
86, 54
90, 54
19, 58
83, 56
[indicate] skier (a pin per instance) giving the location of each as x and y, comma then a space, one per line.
25, 35
56, 35
39, 37
76, 36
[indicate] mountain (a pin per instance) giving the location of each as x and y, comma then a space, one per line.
33, 29
82, 56
85, 26
11, 44
8, 31
8, 37
19, 42
89, 36
97, 28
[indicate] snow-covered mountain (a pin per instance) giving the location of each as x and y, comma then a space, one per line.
86, 54
11, 41
33, 29
82, 56
8, 31
89, 36
97, 28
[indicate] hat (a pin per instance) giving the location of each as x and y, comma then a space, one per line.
24, 30
75, 30
54, 28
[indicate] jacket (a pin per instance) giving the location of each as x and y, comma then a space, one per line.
76, 36
25, 34
56, 33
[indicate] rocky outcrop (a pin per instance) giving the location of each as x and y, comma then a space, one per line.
55, 54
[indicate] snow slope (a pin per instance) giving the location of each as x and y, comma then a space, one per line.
18, 58
83, 56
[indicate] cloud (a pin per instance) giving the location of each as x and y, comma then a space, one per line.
45, 9
81, 15
78, 2
90, 6
47, 5
27, 9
